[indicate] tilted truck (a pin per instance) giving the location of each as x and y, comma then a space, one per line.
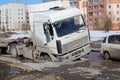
58, 33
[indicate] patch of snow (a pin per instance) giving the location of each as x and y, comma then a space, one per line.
41, 66
20, 34
99, 35
86, 71
116, 69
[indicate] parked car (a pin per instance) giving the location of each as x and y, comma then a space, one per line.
110, 47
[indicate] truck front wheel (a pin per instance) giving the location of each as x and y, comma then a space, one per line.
13, 50
0, 51
45, 57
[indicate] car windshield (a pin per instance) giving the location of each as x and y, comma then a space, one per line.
69, 25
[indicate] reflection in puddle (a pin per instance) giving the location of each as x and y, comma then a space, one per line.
95, 59
100, 78
14, 72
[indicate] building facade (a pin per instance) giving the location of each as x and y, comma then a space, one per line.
97, 10
113, 11
13, 16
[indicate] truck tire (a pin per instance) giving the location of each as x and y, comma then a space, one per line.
0, 51
45, 57
13, 50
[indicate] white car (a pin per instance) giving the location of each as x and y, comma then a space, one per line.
110, 47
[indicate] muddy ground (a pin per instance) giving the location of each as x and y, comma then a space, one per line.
94, 67
91, 67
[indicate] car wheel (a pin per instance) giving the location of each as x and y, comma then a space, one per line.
107, 56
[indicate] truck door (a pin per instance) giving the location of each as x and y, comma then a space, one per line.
48, 30
38, 35
50, 37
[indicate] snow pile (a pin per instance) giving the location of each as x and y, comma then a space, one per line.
42, 66
99, 35
86, 71
19, 34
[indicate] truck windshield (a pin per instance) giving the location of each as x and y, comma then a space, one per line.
69, 25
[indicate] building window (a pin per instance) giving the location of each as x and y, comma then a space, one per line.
101, 6
19, 22
18, 13
109, 12
90, 20
90, 8
95, 0
101, 12
101, 19
95, 14
95, 7
90, 13
109, 6
21, 17
90, 1
109, 0
118, 19
118, 6
117, 12
21, 9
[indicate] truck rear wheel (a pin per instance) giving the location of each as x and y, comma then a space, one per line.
13, 50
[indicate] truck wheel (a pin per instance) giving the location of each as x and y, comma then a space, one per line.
45, 57
107, 56
13, 50
0, 51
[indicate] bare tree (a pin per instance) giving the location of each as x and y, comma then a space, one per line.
119, 25
108, 23
96, 24
25, 26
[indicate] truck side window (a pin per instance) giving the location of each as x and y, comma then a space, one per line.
51, 30
48, 30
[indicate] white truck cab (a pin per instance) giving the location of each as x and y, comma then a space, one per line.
58, 31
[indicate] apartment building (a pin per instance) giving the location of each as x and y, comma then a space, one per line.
13, 16
73, 3
113, 10
98, 9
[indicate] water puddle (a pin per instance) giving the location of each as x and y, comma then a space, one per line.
14, 72
100, 78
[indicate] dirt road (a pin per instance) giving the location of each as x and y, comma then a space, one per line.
92, 68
